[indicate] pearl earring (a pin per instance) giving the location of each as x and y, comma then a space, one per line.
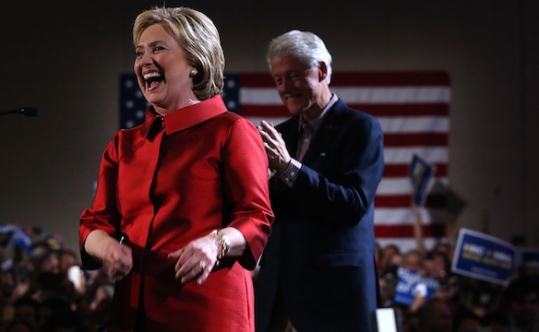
193, 72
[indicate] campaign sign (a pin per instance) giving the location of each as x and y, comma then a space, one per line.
411, 284
421, 172
484, 257
529, 262
6, 233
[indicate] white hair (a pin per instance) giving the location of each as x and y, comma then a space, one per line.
306, 46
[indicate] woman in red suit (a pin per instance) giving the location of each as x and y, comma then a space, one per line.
182, 205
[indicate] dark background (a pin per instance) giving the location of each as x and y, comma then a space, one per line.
65, 57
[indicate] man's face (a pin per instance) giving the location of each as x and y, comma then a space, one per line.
299, 86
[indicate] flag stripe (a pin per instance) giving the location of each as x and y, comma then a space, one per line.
396, 170
366, 95
264, 111
402, 155
367, 78
401, 186
410, 109
414, 124
405, 216
376, 110
403, 201
409, 139
379, 78
401, 231
391, 95
406, 244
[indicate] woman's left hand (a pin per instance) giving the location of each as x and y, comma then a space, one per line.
196, 260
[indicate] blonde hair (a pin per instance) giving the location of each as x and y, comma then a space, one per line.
198, 38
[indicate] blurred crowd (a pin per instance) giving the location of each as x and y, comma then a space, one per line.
44, 288
459, 303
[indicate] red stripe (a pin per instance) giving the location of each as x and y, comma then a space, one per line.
373, 78
425, 109
376, 110
415, 139
401, 170
403, 201
407, 231
400, 78
256, 80
268, 111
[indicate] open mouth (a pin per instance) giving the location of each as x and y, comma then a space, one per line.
153, 79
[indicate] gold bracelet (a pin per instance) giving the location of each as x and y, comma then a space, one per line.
223, 242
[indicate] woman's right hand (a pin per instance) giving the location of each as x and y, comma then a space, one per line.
117, 258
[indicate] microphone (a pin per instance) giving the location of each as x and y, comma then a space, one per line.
26, 111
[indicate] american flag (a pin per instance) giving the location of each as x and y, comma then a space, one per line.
413, 109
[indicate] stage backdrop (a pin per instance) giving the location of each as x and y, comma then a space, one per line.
412, 107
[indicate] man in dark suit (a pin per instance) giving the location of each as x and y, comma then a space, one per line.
317, 272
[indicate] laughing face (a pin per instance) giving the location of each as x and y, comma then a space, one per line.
300, 87
163, 71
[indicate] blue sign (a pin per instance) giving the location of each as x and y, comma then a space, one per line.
529, 262
421, 172
484, 257
412, 284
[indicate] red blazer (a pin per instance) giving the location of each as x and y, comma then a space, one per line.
172, 180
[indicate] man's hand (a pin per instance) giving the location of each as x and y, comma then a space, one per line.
278, 155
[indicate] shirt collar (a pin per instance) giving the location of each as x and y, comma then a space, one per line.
185, 117
315, 124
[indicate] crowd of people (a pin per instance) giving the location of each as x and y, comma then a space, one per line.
459, 303
46, 289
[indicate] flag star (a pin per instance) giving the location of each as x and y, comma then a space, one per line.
230, 84
231, 104
129, 84
129, 104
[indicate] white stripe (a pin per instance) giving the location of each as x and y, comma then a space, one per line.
406, 245
403, 186
405, 216
415, 124
402, 155
353, 95
259, 96
392, 125
394, 95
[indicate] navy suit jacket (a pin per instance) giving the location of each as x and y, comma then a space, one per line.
320, 254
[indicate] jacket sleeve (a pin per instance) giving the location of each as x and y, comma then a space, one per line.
103, 213
246, 188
